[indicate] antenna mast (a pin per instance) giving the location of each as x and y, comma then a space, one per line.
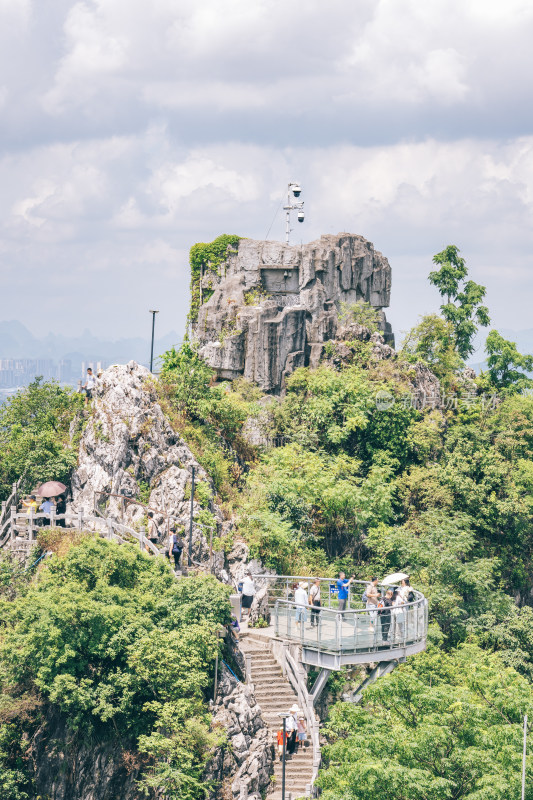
295, 190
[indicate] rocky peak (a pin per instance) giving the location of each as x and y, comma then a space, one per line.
270, 307
129, 449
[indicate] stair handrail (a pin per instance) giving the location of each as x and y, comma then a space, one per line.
132, 501
298, 680
80, 519
11, 500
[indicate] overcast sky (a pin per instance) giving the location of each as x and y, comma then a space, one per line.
132, 129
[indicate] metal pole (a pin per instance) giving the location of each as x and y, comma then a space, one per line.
153, 313
524, 760
283, 760
216, 676
211, 550
191, 520
288, 216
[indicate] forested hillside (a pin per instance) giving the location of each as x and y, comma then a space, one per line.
374, 462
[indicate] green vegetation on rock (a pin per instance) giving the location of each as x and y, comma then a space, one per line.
108, 638
205, 258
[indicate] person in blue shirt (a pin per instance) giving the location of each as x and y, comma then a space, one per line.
46, 507
342, 589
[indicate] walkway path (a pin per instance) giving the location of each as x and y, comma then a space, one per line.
275, 694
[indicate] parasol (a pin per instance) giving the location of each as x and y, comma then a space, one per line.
396, 577
51, 489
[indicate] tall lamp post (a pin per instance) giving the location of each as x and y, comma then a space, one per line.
293, 190
284, 717
153, 313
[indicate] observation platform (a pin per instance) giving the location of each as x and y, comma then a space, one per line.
330, 639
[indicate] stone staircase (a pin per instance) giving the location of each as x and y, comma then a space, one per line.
275, 694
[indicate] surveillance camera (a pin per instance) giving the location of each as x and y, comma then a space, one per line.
301, 216
296, 190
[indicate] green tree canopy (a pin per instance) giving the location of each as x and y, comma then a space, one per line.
463, 307
108, 637
442, 727
506, 364
35, 435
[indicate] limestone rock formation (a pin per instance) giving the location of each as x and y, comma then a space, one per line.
249, 753
127, 446
270, 307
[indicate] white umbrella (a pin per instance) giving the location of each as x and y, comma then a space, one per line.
396, 577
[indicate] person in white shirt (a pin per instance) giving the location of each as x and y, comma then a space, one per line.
315, 602
300, 598
90, 384
372, 595
398, 616
248, 591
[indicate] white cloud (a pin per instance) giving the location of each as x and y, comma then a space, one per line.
132, 129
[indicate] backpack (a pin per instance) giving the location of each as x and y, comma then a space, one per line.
177, 543
364, 597
411, 597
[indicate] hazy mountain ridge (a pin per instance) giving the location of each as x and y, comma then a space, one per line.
16, 341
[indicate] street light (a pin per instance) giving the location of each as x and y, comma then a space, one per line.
293, 189
284, 716
153, 313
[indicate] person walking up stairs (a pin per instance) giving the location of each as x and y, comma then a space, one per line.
275, 695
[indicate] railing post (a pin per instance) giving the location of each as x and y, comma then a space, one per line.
80, 519
338, 624
284, 662
141, 537
30, 528
13, 523
4, 504
53, 516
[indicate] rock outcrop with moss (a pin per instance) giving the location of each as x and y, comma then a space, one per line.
270, 307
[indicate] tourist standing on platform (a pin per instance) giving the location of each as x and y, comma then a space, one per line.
315, 599
300, 598
372, 596
343, 586
398, 616
248, 592
47, 506
385, 615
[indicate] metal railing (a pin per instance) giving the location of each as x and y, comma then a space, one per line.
298, 679
21, 529
282, 587
352, 631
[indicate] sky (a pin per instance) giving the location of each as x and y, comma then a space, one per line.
131, 130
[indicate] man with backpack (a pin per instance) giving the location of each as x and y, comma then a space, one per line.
175, 548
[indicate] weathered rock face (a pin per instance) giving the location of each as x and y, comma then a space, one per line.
247, 759
274, 305
69, 766
128, 445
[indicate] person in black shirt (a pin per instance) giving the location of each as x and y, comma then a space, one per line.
384, 611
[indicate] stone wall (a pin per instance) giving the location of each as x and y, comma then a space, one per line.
272, 306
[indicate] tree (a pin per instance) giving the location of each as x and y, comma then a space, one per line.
433, 342
35, 436
441, 727
108, 637
463, 299
505, 364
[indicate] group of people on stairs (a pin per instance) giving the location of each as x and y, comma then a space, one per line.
295, 732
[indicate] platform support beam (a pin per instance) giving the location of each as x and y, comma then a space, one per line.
319, 684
